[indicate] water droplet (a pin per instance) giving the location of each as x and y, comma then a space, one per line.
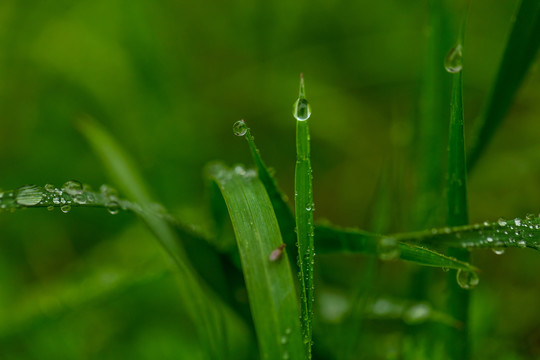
489, 239
50, 207
72, 187
502, 222
240, 128
445, 269
29, 195
388, 248
301, 107
65, 208
287, 331
284, 339
113, 208
522, 243
498, 250
417, 314
286, 355
453, 62
80, 199
49, 187
467, 279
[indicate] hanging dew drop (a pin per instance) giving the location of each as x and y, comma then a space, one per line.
65, 208
113, 208
301, 107
467, 279
50, 207
240, 128
453, 62
29, 195
498, 250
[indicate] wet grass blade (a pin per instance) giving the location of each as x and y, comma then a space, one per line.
268, 276
457, 340
282, 210
335, 240
303, 210
520, 52
214, 321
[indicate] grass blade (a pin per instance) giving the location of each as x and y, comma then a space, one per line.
520, 52
303, 209
269, 280
334, 240
457, 340
214, 321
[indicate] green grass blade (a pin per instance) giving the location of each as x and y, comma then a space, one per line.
457, 340
279, 202
271, 291
520, 52
303, 209
214, 321
335, 240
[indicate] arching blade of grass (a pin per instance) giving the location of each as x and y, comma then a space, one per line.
497, 235
334, 240
303, 211
214, 321
268, 276
520, 52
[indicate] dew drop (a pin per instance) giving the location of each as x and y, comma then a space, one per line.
72, 187
453, 62
498, 250
517, 222
113, 208
301, 107
502, 222
286, 355
522, 243
49, 187
445, 269
284, 339
388, 248
240, 128
467, 279
489, 239
65, 208
50, 207
29, 195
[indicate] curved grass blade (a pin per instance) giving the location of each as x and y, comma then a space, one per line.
335, 240
520, 52
269, 280
303, 209
214, 321
496, 235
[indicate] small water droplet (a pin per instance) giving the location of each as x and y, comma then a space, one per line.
502, 222
50, 207
467, 279
113, 208
287, 331
65, 208
49, 187
388, 248
240, 128
72, 187
489, 239
29, 195
522, 243
517, 221
286, 355
284, 339
301, 107
498, 250
453, 62
445, 269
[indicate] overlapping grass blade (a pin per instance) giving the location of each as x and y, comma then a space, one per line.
335, 240
269, 280
520, 52
214, 321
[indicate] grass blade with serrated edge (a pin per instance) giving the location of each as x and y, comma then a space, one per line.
457, 340
271, 291
214, 321
303, 209
520, 52
335, 240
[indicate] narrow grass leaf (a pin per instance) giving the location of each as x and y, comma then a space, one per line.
351, 241
521, 49
215, 322
268, 276
303, 210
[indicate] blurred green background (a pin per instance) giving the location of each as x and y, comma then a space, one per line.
168, 79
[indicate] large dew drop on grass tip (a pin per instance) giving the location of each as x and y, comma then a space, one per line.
29, 195
467, 279
453, 62
240, 128
301, 107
